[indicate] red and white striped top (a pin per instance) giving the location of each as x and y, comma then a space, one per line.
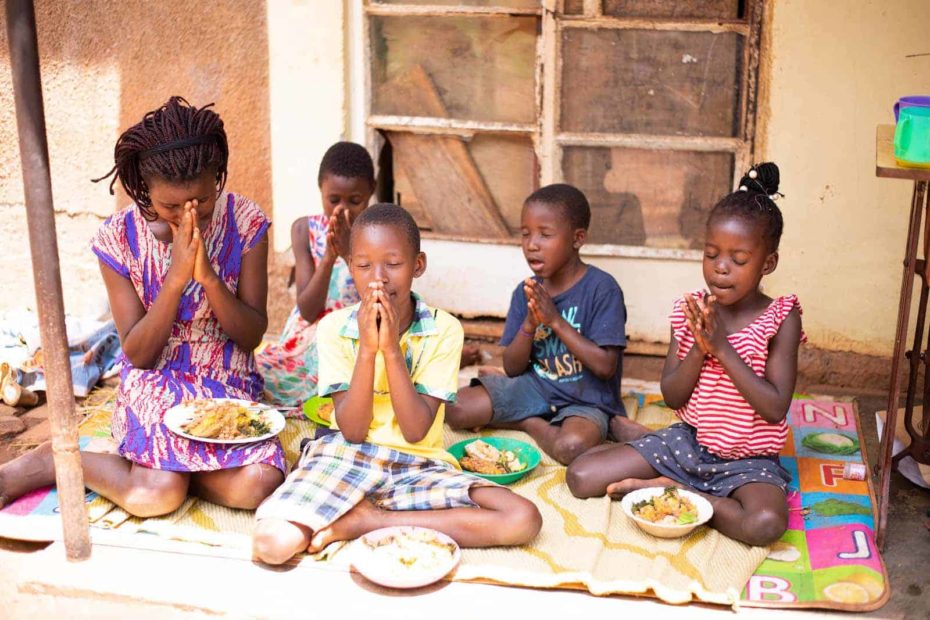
726, 424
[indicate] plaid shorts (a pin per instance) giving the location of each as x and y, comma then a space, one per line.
334, 475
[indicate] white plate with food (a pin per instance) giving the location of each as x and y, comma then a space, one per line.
405, 556
224, 420
666, 512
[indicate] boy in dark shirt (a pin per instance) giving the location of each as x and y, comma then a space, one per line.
564, 336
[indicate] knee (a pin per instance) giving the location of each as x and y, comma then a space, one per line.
523, 522
269, 545
568, 447
253, 484
581, 480
454, 416
155, 499
764, 527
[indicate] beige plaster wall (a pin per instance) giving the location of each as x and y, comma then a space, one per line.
104, 64
837, 68
308, 103
307, 94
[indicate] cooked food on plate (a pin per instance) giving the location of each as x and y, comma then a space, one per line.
483, 450
482, 466
325, 411
415, 549
669, 508
218, 419
483, 458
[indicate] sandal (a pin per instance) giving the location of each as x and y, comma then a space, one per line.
13, 394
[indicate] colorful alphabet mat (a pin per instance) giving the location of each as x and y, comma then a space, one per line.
826, 559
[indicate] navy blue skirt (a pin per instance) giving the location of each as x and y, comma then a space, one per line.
674, 452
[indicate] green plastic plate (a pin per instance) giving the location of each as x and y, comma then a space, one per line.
524, 451
312, 410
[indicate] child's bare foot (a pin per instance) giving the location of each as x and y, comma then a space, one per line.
363, 518
616, 490
471, 354
27, 472
623, 429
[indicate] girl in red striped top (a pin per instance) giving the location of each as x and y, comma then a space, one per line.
730, 372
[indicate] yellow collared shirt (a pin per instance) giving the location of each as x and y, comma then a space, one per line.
432, 349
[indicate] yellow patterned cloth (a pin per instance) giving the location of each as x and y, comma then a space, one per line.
590, 544
584, 544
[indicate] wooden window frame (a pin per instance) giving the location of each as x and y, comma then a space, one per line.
548, 142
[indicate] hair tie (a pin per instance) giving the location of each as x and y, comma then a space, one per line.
759, 185
177, 144
753, 176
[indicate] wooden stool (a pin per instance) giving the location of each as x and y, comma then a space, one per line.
919, 447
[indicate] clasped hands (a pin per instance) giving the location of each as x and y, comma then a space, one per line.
337, 234
378, 325
701, 315
188, 250
541, 309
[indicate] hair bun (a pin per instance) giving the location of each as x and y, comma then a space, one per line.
761, 179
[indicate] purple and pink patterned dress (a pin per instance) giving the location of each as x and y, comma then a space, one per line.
200, 360
290, 366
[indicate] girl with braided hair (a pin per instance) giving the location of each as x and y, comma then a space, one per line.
185, 269
730, 373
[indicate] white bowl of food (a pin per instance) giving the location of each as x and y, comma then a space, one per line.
405, 556
666, 512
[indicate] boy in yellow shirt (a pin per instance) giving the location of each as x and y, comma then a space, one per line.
390, 363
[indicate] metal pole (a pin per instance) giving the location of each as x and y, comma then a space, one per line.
40, 214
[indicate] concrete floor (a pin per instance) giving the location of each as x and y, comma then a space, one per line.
36, 580
907, 546
165, 585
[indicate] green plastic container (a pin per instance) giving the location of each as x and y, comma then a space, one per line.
912, 138
524, 451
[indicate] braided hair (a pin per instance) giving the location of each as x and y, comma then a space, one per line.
349, 160
755, 201
176, 142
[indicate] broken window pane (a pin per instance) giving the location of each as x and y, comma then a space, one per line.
681, 9
471, 188
508, 167
474, 68
643, 197
652, 82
